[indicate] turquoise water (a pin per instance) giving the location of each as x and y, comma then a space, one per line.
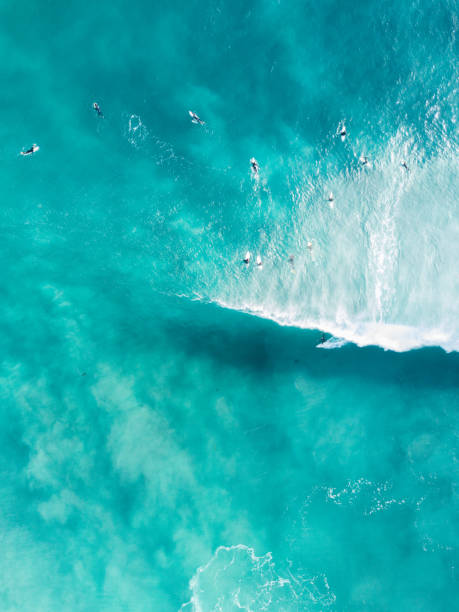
171, 438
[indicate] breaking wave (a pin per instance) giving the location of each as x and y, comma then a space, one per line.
376, 268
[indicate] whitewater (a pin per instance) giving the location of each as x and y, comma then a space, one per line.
375, 266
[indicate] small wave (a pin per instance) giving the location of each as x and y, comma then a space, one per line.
235, 578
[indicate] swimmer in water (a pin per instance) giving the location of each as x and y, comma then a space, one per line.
33, 149
255, 166
310, 245
96, 107
291, 261
404, 165
195, 118
246, 259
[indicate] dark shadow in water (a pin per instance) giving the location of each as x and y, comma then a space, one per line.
245, 341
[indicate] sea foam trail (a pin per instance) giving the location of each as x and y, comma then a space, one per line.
375, 268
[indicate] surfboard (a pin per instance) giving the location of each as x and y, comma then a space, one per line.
35, 149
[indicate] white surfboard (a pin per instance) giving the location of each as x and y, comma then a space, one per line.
35, 148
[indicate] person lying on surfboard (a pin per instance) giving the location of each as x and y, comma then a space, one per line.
96, 107
195, 118
33, 149
404, 165
255, 166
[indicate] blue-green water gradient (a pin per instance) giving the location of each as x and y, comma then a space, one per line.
162, 448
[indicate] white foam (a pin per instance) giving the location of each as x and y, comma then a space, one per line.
394, 337
365, 496
236, 578
333, 343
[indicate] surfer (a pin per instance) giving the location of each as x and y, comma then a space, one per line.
342, 131
331, 197
246, 259
310, 245
364, 160
404, 165
322, 340
33, 149
259, 262
291, 261
255, 166
96, 107
195, 118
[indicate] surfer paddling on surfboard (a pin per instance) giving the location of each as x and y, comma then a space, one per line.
96, 107
195, 118
255, 166
33, 149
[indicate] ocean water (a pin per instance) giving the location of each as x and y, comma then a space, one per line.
171, 437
